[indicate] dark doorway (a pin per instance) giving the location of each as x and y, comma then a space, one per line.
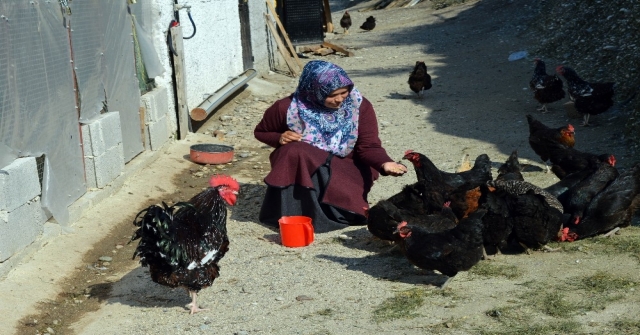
245, 34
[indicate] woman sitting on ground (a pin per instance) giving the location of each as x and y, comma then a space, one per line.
327, 154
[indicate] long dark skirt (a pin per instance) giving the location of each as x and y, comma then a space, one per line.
299, 200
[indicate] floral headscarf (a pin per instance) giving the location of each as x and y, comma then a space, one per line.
332, 130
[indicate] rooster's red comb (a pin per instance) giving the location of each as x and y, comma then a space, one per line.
408, 152
221, 179
402, 224
570, 127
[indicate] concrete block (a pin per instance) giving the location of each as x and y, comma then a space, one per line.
86, 140
104, 133
90, 171
156, 104
103, 169
158, 133
19, 183
20, 227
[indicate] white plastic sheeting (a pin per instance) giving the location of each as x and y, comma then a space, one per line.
38, 112
102, 40
37, 100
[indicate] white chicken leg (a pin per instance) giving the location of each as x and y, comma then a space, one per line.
193, 305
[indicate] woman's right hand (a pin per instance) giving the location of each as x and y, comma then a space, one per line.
289, 136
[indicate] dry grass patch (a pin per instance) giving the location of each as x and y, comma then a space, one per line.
491, 269
402, 305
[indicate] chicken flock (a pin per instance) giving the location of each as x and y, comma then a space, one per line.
444, 221
450, 221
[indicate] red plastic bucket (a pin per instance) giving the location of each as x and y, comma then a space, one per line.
296, 231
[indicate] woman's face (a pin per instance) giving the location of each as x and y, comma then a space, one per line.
335, 98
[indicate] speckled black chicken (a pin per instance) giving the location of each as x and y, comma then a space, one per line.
448, 252
547, 88
182, 244
589, 98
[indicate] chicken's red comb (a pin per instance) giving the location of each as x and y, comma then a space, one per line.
571, 129
402, 224
612, 160
221, 179
408, 152
560, 68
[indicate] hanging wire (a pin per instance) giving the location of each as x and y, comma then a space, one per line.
192, 23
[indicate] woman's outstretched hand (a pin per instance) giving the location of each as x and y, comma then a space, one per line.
289, 136
394, 169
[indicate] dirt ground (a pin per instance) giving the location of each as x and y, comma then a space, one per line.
346, 281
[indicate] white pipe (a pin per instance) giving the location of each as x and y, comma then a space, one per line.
214, 100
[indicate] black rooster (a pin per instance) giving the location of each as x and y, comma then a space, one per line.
345, 22
589, 98
419, 79
369, 24
183, 243
546, 88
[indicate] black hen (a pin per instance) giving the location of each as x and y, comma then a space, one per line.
511, 169
536, 214
612, 208
369, 24
589, 98
546, 88
579, 196
498, 223
183, 243
569, 160
479, 174
543, 139
419, 79
408, 205
345, 22
450, 251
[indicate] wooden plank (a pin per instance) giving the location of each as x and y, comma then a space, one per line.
327, 16
284, 34
292, 65
184, 122
143, 126
338, 48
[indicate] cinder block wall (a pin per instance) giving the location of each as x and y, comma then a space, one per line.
103, 153
155, 106
21, 214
